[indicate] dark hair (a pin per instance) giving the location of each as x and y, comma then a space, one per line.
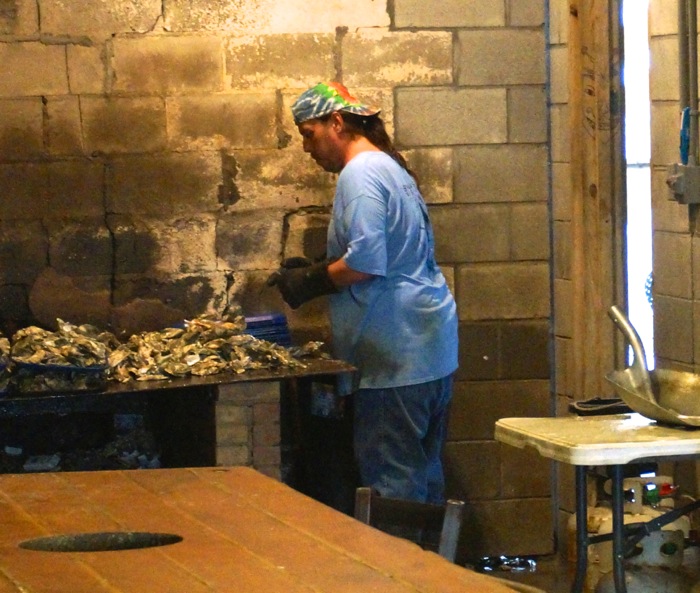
372, 128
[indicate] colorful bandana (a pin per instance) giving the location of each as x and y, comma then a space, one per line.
325, 98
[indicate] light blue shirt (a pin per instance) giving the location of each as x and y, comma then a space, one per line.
400, 327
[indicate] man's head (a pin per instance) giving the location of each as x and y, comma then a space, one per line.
325, 98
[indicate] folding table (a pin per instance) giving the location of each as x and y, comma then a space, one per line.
613, 441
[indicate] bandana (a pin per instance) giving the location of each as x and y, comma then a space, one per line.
325, 98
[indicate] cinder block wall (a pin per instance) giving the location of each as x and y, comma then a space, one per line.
150, 170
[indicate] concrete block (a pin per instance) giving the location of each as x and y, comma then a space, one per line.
471, 472
21, 131
80, 247
663, 17
663, 69
19, 18
561, 191
504, 291
673, 269
560, 132
500, 57
63, 133
263, 179
477, 405
306, 234
471, 233
527, 114
525, 473
249, 395
505, 173
376, 57
266, 456
249, 241
478, 350
232, 455
559, 21
119, 124
99, 20
294, 16
87, 71
266, 436
212, 122
673, 329
37, 69
280, 61
167, 64
524, 350
563, 373
493, 529
434, 169
231, 413
526, 13
449, 13
232, 434
664, 131
458, 116
79, 299
669, 215
24, 251
529, 232
563, 305
24, 193
164, 185
75, 189
14, 307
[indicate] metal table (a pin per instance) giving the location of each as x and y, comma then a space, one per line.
613, 441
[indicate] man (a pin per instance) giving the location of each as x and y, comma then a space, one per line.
392, 314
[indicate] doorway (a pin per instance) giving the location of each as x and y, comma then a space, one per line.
638, 172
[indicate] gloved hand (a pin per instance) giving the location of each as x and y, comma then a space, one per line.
301, 283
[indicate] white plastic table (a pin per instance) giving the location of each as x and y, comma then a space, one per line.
614, 441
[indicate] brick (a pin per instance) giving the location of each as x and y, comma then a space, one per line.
266, 435
266, 413
94, 18
75, 189
434, 168
247, 394
164, 185
294, 16
526, 13
232, 455
507, 173
477, 405
527, 114
37, 69
230, 414
21, 132
504, 291
249, 241
167, 65
471, 233
672, 253
266, 456
673, 329
458, 116
115, 125
449, 13
529, 232
80, 247
499, 57
19, 18
242, 120
24, 193
86, 69
23, 251
63, 133
232, 434
79, 299
375, 57
470, 472
279, 61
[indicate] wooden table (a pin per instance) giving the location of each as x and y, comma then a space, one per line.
242, 532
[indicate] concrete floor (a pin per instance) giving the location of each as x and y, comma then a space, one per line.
552, 575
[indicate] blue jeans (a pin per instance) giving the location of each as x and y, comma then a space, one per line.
398, 438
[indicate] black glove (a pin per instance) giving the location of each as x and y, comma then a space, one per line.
301, 284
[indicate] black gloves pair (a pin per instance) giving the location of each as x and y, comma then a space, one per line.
299, 280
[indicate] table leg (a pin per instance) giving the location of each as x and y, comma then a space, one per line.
581, 530
618, 542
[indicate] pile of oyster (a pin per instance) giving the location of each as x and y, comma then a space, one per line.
78, 357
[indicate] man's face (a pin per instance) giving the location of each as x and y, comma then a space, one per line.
322, 142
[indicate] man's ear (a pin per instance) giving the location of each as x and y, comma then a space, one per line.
337, 122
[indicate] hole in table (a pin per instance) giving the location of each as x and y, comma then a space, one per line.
100, 542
